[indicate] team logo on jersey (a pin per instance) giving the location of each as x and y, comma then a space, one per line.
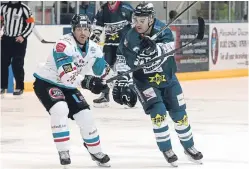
184, 121
158, 120
67, 68
113, 37
157, 79
56, 93
60, 47
93, 49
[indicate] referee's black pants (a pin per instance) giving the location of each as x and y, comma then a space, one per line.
12, 52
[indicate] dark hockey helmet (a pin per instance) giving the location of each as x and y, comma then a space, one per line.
81, 20
144, 9
129, 97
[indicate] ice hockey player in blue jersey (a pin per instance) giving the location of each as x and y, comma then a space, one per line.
156, 85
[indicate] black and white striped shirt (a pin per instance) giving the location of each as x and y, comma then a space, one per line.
17, 19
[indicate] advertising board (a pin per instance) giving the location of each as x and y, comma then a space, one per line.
228, 46
193, 58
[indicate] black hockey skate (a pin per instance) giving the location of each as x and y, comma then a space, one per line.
102, 101
100, 158
194, 155
171, 157
65, 159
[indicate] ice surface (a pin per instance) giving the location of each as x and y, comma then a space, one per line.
217, 109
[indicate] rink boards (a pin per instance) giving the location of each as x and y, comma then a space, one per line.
222, 53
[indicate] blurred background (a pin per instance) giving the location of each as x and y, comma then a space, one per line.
224, 47
50, 12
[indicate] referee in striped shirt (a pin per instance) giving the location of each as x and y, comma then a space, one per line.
17, 22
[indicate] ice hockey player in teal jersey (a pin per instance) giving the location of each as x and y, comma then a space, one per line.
156, 85
114, 20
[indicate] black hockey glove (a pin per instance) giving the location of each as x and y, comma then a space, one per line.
147, 47
123, 93
94, 84
96, 36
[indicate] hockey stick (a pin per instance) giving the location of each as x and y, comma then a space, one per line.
200, 35
39, 37
166, 26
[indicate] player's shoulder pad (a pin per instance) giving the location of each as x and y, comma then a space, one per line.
127, 6
159, 25
131, 34
94, 48
127, 40
65, 44
68, 38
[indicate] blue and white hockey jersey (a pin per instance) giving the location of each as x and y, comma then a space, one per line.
68, 63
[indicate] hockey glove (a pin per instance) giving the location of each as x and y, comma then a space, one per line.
96, 36
147, 47
123, 93
94, 84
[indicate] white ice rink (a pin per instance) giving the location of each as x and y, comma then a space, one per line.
217, 109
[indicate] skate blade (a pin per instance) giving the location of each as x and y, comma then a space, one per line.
66, 166
100, 105
106, 165
17, 97
127, 107
174, 164
193, 160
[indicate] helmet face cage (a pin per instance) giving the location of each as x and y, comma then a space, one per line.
80, 20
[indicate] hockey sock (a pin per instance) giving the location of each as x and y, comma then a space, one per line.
160, 126
59, 125
88, 131
183, 129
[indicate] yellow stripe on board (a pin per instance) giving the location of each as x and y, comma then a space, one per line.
189, 76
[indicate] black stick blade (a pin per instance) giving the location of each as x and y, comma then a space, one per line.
201, 28
44, 41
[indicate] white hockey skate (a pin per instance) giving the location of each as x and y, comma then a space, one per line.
194, 155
